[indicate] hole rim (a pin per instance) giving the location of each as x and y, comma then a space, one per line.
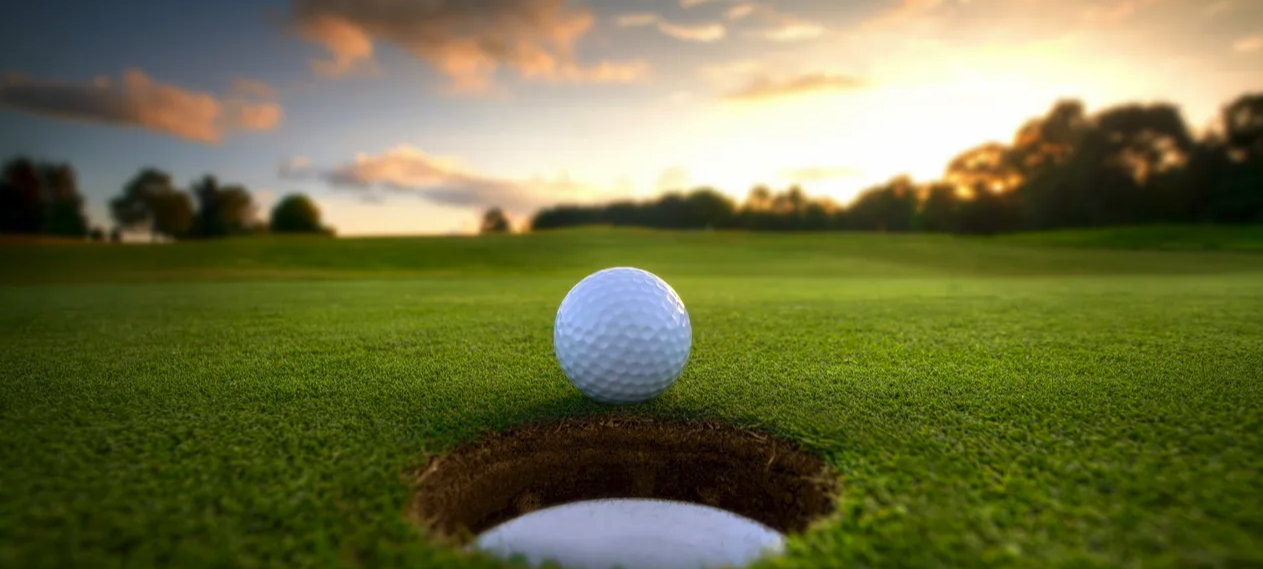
441, 490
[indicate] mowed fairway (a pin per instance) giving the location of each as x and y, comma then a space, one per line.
259, 403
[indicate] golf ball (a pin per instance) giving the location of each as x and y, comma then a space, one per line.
622, 335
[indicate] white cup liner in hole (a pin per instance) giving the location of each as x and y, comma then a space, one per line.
633, 533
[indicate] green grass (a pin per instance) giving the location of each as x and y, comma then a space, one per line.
1159, 237
255, 403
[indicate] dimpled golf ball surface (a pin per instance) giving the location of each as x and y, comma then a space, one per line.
622, 335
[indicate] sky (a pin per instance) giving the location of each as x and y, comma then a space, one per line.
412, 117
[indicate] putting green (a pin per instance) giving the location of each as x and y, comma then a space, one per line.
259, 403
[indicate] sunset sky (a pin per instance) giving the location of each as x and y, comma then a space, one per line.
411, 116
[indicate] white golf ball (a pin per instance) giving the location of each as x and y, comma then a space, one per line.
622, 335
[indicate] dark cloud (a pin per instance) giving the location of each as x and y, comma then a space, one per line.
138, 100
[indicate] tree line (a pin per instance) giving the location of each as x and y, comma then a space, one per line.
1128, 164
43, 198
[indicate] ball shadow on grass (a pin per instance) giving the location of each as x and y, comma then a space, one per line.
512, 473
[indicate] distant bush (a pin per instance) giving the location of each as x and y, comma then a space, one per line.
297, 213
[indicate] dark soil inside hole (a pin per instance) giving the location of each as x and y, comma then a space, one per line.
513, 473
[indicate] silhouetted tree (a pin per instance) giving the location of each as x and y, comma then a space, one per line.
940, 208
62, 203
1237, 196
296, 213
708, 208
20, 205
149, 201
494, 221
222, 211
41, 197
887, 207
1243, 126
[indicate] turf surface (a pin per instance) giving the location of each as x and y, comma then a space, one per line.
985, 402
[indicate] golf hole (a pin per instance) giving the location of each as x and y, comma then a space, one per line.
630, 492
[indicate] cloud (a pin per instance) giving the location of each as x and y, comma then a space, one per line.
443, 180
1252, 43
820, 173
778, 26
739, 11
762, 87
244, 115
637, 19
699, 33
138, 100
792, 32
696, 32
468, 41
692, 3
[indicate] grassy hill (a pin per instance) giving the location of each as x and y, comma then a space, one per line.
1246, 238
983, 402
565, 252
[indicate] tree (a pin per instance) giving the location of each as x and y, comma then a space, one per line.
494, 221
41, 197
1237, 194
62, 203
296, 213
173, 214
940, 208
887, 207
992, 166
149, 201
21, 210
1242, 121
708, 208
222, 211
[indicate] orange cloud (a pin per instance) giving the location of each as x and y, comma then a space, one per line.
253, 116
739, 11
779, 26
637, 19
467, 41
138, 100
440, 179
793, 32
763, 87
698, 33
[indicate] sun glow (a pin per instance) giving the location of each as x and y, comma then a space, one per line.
913, 120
